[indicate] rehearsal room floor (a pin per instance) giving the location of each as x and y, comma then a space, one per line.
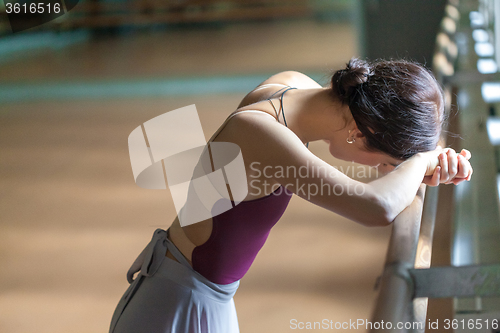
73, 220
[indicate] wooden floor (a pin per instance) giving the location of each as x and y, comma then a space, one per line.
73, 220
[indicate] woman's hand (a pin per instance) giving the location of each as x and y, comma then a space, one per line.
445, 166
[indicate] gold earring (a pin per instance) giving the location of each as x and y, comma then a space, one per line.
352, 139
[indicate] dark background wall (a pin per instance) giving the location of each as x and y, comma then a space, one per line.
400, 28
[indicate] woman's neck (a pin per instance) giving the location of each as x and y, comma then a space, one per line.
313, 114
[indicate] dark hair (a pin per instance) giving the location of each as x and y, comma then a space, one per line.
398, 105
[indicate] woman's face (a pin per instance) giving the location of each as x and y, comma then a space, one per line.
356, 152
383, 162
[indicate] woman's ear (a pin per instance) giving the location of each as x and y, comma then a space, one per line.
356, 133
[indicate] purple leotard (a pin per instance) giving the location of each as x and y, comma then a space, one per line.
239, 233
237, 236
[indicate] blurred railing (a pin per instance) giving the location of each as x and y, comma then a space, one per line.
409, 287
396, 286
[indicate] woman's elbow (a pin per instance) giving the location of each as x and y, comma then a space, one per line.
378, 220
382, 221
381, 214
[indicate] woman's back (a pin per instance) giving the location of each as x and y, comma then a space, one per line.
223, 247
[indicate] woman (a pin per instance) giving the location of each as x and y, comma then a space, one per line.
386, 114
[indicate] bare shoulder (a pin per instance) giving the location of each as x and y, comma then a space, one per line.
257, 126
261, 138
292, 79
277, 83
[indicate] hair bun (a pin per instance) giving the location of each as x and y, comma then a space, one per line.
346, 80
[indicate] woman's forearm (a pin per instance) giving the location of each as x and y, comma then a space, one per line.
396, 190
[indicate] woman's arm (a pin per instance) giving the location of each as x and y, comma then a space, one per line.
283, 157
398, 188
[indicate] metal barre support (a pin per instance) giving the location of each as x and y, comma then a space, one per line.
463, 281
396, 286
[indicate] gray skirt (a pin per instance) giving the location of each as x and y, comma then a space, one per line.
170, 297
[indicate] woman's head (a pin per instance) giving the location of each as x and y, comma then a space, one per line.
397, 105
